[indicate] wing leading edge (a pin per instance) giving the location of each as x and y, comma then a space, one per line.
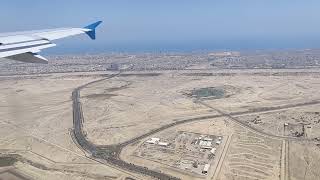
25, 46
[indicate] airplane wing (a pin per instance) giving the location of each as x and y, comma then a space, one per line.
25, 46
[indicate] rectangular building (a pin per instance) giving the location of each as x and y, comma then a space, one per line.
206, 169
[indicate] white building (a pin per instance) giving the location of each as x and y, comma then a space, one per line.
163, 144
209, 143
213, 150
218, 142
203, 143
207, 139
205, 168
153, 141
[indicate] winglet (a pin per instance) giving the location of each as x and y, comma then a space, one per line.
92, 27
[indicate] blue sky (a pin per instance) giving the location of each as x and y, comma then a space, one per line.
171, 25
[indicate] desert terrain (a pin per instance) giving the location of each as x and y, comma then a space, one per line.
213, 116
36, 118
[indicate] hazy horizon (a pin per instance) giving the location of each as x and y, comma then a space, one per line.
179, 26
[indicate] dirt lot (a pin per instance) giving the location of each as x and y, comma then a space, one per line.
154, 161
305, 121
119, 109
35, 118
129, 106
243, 154
304, 161
125, 107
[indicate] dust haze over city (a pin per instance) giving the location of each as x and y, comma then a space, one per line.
191, 90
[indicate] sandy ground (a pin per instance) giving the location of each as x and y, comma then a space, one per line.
304, 161
273, 122
35, 118
247, 155
36, 115
213, 127
119, 109
125, 107
129, 106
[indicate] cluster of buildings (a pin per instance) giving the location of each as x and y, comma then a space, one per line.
207, 143
103, 62
157, 141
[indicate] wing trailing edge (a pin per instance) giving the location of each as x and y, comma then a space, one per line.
24, 46
29, 58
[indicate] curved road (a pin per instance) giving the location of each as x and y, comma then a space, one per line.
110, 153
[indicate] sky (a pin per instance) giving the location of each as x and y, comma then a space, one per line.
171, 25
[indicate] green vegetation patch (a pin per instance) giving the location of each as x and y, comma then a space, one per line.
7, 161
209, 92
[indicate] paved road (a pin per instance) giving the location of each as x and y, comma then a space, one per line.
110, 153
232, 117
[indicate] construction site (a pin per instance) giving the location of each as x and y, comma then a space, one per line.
189, 152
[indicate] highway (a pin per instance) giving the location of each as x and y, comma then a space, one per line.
110, 153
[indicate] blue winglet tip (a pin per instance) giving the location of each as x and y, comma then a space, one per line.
92, 27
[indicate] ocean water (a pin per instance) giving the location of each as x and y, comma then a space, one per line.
94, 47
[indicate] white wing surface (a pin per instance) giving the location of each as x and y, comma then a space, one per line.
25, 46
